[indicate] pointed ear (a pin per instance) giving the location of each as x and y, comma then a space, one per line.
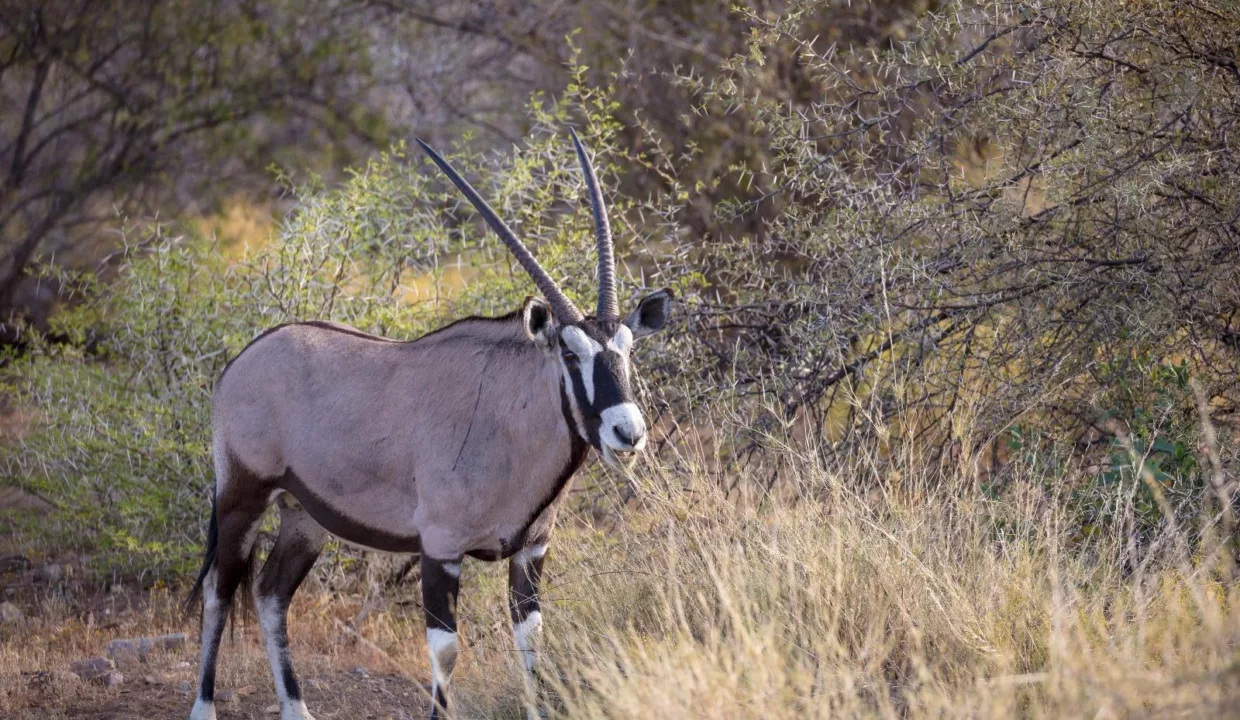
651, 313
536, 317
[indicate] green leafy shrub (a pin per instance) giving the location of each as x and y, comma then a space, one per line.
122, 444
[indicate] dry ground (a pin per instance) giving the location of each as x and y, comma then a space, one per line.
342, 676
376, 671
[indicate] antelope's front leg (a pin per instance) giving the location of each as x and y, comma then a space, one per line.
524, 574
441, 582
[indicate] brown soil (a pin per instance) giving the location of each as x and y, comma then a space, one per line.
377, 671
334, 694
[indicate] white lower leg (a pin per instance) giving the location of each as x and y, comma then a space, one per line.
212, 625
203, 710
528, 634
443, 648
271, 616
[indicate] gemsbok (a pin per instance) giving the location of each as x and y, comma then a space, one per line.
457, 443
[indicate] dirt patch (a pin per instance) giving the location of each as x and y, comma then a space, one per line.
15, 423
334, 694
355, 658
16, 499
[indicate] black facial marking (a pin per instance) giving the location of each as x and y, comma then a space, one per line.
611, 385
608, 373
591, 417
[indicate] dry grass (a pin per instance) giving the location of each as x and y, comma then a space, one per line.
903, 602
826, 602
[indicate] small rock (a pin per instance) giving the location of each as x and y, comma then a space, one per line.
131, 650
315, 683
93, 668
124, 659
114, 679
43, 678
151, 680
185, 686
246, 690
183, 665
171, 641
10, 613
14, 563
52, 572
225, 696
273, 709
361, 672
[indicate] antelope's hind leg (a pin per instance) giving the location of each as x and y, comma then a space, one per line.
234, 525
295, 551
524, 577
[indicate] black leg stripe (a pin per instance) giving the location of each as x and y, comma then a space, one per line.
523, 583
291, 686
206, 686
290, 562
439, 593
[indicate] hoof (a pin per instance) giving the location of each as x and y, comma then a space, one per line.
202, 710
295, 710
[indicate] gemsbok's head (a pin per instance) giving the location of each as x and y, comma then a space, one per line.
593, 351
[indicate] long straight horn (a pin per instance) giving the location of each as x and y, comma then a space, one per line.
561, 306
608, 308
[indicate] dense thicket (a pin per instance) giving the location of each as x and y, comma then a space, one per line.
986, 236
178, 107
163, 106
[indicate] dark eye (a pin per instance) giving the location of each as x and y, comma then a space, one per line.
568, 355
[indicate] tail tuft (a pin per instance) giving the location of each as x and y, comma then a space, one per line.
240, 609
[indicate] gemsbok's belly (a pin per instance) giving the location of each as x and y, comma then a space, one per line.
376, 517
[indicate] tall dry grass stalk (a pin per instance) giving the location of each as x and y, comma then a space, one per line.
903, 601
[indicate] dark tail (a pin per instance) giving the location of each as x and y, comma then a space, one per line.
246, 600
213, 542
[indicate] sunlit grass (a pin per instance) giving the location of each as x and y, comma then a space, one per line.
902, 602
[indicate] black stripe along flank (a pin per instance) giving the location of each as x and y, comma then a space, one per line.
342, 526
